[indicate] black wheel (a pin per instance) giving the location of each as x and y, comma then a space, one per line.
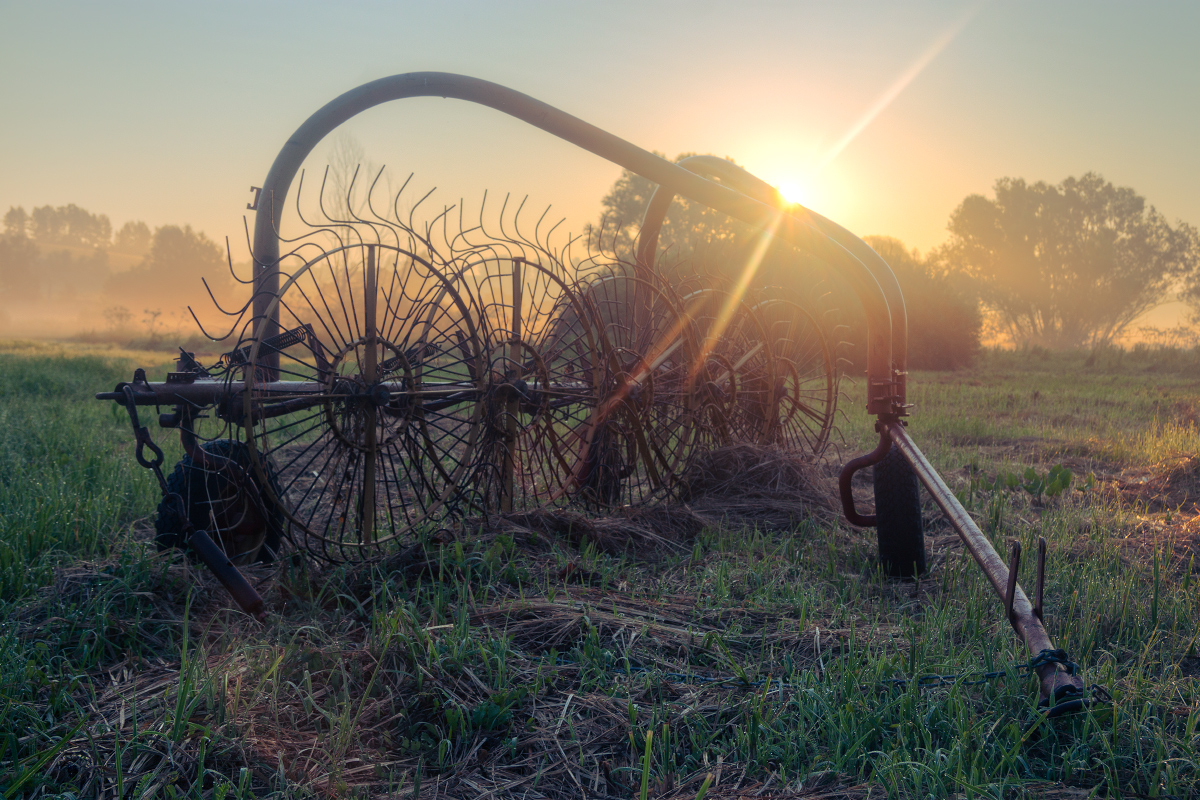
898, 517
246, 528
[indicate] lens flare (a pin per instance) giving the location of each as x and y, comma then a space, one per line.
794, 192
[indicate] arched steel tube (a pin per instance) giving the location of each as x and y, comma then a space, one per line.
800, 233
751, 185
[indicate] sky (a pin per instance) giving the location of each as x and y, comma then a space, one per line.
880, 115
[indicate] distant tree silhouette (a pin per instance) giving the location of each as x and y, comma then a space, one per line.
44, 269
178, 259
19, 276
944, 320
16, 221
70, 225
134, 238
688, 228
1069, 264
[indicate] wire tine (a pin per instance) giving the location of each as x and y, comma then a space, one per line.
212, 297
417, 205
200, 325
229, 260
371, 191
399, 194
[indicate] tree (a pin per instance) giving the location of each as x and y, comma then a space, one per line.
19, 278
171, 271
696, 239
70, 225
134, 238
688, 228
16, 221
944, 321
1068, 265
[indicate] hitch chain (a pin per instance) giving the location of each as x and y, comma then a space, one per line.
1098, 693
142, 437
208, 550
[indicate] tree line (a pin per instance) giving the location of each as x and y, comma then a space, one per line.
1059, 266
56, 255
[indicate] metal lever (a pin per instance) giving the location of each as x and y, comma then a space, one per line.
1014, 566
1040, 586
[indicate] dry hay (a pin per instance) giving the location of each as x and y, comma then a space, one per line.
759, 485
760, 472
739, 485
638, 530
671, 627
339, 714
335, 718
130, 738
1174, 485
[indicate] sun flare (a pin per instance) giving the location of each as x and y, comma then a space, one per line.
793, 192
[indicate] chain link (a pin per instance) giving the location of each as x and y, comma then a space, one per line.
1041, 659
1098, 694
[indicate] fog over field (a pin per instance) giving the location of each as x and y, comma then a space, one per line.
883, 118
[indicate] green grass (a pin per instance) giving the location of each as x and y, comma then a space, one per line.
514, 661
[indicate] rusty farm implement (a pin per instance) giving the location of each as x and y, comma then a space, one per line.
391, 376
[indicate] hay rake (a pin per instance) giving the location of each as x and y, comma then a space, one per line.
391, 376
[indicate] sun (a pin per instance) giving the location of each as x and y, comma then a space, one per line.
793, 192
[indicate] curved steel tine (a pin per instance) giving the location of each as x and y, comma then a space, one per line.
396, 199
229, 260
232, 328
417, 205
212, 297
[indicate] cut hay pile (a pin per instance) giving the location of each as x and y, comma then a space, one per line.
741, 485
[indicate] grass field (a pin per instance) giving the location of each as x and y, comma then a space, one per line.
735, 660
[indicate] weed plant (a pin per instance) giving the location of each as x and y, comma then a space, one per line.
505, 661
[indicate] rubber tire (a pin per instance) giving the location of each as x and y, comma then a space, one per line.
898, 517
189, 483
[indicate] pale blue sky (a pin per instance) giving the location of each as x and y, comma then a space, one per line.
168, 112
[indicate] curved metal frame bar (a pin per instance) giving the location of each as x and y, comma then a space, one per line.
747, 183
799, 232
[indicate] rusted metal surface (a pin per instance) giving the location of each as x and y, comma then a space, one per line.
1058, 688
846, 478
230, 577
214, 557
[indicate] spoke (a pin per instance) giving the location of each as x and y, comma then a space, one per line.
370, 300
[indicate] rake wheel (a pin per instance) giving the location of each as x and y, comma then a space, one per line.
737, 371
805, 378
646, 433
541, 381
372, 417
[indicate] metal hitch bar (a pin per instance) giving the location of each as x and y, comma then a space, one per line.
1061, 690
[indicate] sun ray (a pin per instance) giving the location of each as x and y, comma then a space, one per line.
901, 83
765, 238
